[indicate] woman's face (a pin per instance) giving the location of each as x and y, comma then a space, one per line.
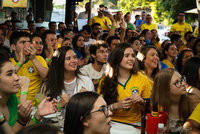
136, 45
148, 35
128, 59
129, 33
67, 43
152, 59
120, 15
99, 121
187, 55
172, 51
9, 81
38, 45
70, 61
80, 42
177, 85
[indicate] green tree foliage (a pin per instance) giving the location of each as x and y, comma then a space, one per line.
162, 10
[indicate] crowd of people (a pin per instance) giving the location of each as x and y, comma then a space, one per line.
100, 75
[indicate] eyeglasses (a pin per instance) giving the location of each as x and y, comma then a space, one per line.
179, 83
137, 43
181, 15
104, 109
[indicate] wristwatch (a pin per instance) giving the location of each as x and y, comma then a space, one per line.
2, 119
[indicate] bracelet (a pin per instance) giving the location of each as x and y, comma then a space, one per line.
23, 124
2, 119
113, 27
35, 120
47, 59
24, 93
58, 106
18, 64
88, 57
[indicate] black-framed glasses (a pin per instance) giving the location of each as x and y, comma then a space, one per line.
179, 83
104, 109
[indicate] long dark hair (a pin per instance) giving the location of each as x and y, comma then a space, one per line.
74, 41
109, 85
77, 110
180, 59
161, 92
191, 72
144, 50
194, 47
55, 77
166, 48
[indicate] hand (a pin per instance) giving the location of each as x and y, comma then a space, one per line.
24, 111
125, 103
32, 51
49, 51
64, 100
83, 89
46, 108
24, 83
136, 98
21, 57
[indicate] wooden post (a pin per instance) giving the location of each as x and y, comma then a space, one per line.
89, 13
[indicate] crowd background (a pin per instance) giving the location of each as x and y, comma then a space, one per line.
123, 62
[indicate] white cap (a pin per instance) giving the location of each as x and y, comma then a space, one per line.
161, 125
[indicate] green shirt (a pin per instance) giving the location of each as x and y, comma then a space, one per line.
12, 106
129, 25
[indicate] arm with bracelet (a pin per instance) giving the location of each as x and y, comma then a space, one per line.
24, 85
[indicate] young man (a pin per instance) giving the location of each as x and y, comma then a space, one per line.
181, 26
27, 63
96, 69
86, 33
178, 41
112, 41
149, 25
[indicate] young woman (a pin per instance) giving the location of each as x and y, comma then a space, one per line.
169, 54
191, 70
150, 64
127, 88
38, 44
79, 49
169, 92
87, 113
182, 58
64, 79
119, 19
155, 39
17, 115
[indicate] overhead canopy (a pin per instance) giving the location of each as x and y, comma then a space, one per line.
194, 11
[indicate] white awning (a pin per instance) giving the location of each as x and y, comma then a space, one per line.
194, 11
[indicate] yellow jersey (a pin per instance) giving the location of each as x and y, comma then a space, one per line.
168, 63
149, 27
182, 28
196, 114
196, 31
136, 83
29, 70
101, 21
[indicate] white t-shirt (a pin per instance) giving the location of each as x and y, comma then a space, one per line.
76, 85
83, 15
87, 44
89, 71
